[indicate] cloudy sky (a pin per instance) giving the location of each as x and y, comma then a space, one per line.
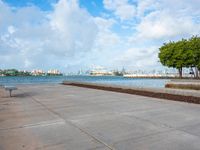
79, 34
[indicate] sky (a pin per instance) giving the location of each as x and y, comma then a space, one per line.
70, 35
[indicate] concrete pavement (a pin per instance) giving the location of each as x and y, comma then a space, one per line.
74, 118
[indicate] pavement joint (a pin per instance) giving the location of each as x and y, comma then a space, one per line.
147, 135
165, 125
85, 132
154, 123
46, 123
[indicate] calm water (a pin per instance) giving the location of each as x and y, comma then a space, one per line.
112, 80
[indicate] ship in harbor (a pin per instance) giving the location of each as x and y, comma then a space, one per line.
100, 71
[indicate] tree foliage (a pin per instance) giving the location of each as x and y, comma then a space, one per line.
180, 54
194, 45
14, 72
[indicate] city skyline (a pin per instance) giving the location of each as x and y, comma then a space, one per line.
83, 71
71, 34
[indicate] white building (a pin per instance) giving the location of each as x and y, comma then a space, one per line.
100, 71
37, 72
54, 72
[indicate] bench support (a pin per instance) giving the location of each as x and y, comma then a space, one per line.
10, 89
10, 93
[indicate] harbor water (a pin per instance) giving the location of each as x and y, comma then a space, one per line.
111, 80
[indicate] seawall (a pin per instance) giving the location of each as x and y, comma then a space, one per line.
189, 96
184, 84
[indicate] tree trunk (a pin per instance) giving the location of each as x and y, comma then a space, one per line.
196, 72
180, 71
192, 72
199, 71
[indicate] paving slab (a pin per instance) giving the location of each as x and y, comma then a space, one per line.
171, 117
26, 118
58, 135
192, 129
174, 140
111, 128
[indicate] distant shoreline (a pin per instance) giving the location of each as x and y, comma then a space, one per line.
35, 76
178, 78
128, 77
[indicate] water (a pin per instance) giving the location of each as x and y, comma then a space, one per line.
111, 80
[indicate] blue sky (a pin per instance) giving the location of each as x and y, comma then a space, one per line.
42, 4
82, 34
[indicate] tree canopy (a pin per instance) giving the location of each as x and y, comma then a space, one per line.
180, 54
194, 46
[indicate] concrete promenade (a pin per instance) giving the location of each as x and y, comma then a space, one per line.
63, 117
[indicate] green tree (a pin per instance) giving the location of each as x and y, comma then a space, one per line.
176, 55
170, 56
194, 46
11, 72
165, 54
183, 55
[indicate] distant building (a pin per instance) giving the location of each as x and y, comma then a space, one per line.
37, 72
100, 71
54, 72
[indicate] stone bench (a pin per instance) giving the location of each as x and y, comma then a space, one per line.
10, 89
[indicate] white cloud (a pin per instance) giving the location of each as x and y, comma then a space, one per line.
122, 9
145, 6
52, 40
104, 24
11, 29
159, 25
166, 20
105, 36
106, 44
138, 58
69, 37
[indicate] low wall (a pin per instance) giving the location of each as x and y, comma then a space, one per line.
176, 95
184, 84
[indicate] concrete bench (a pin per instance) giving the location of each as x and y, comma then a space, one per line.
10, 89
